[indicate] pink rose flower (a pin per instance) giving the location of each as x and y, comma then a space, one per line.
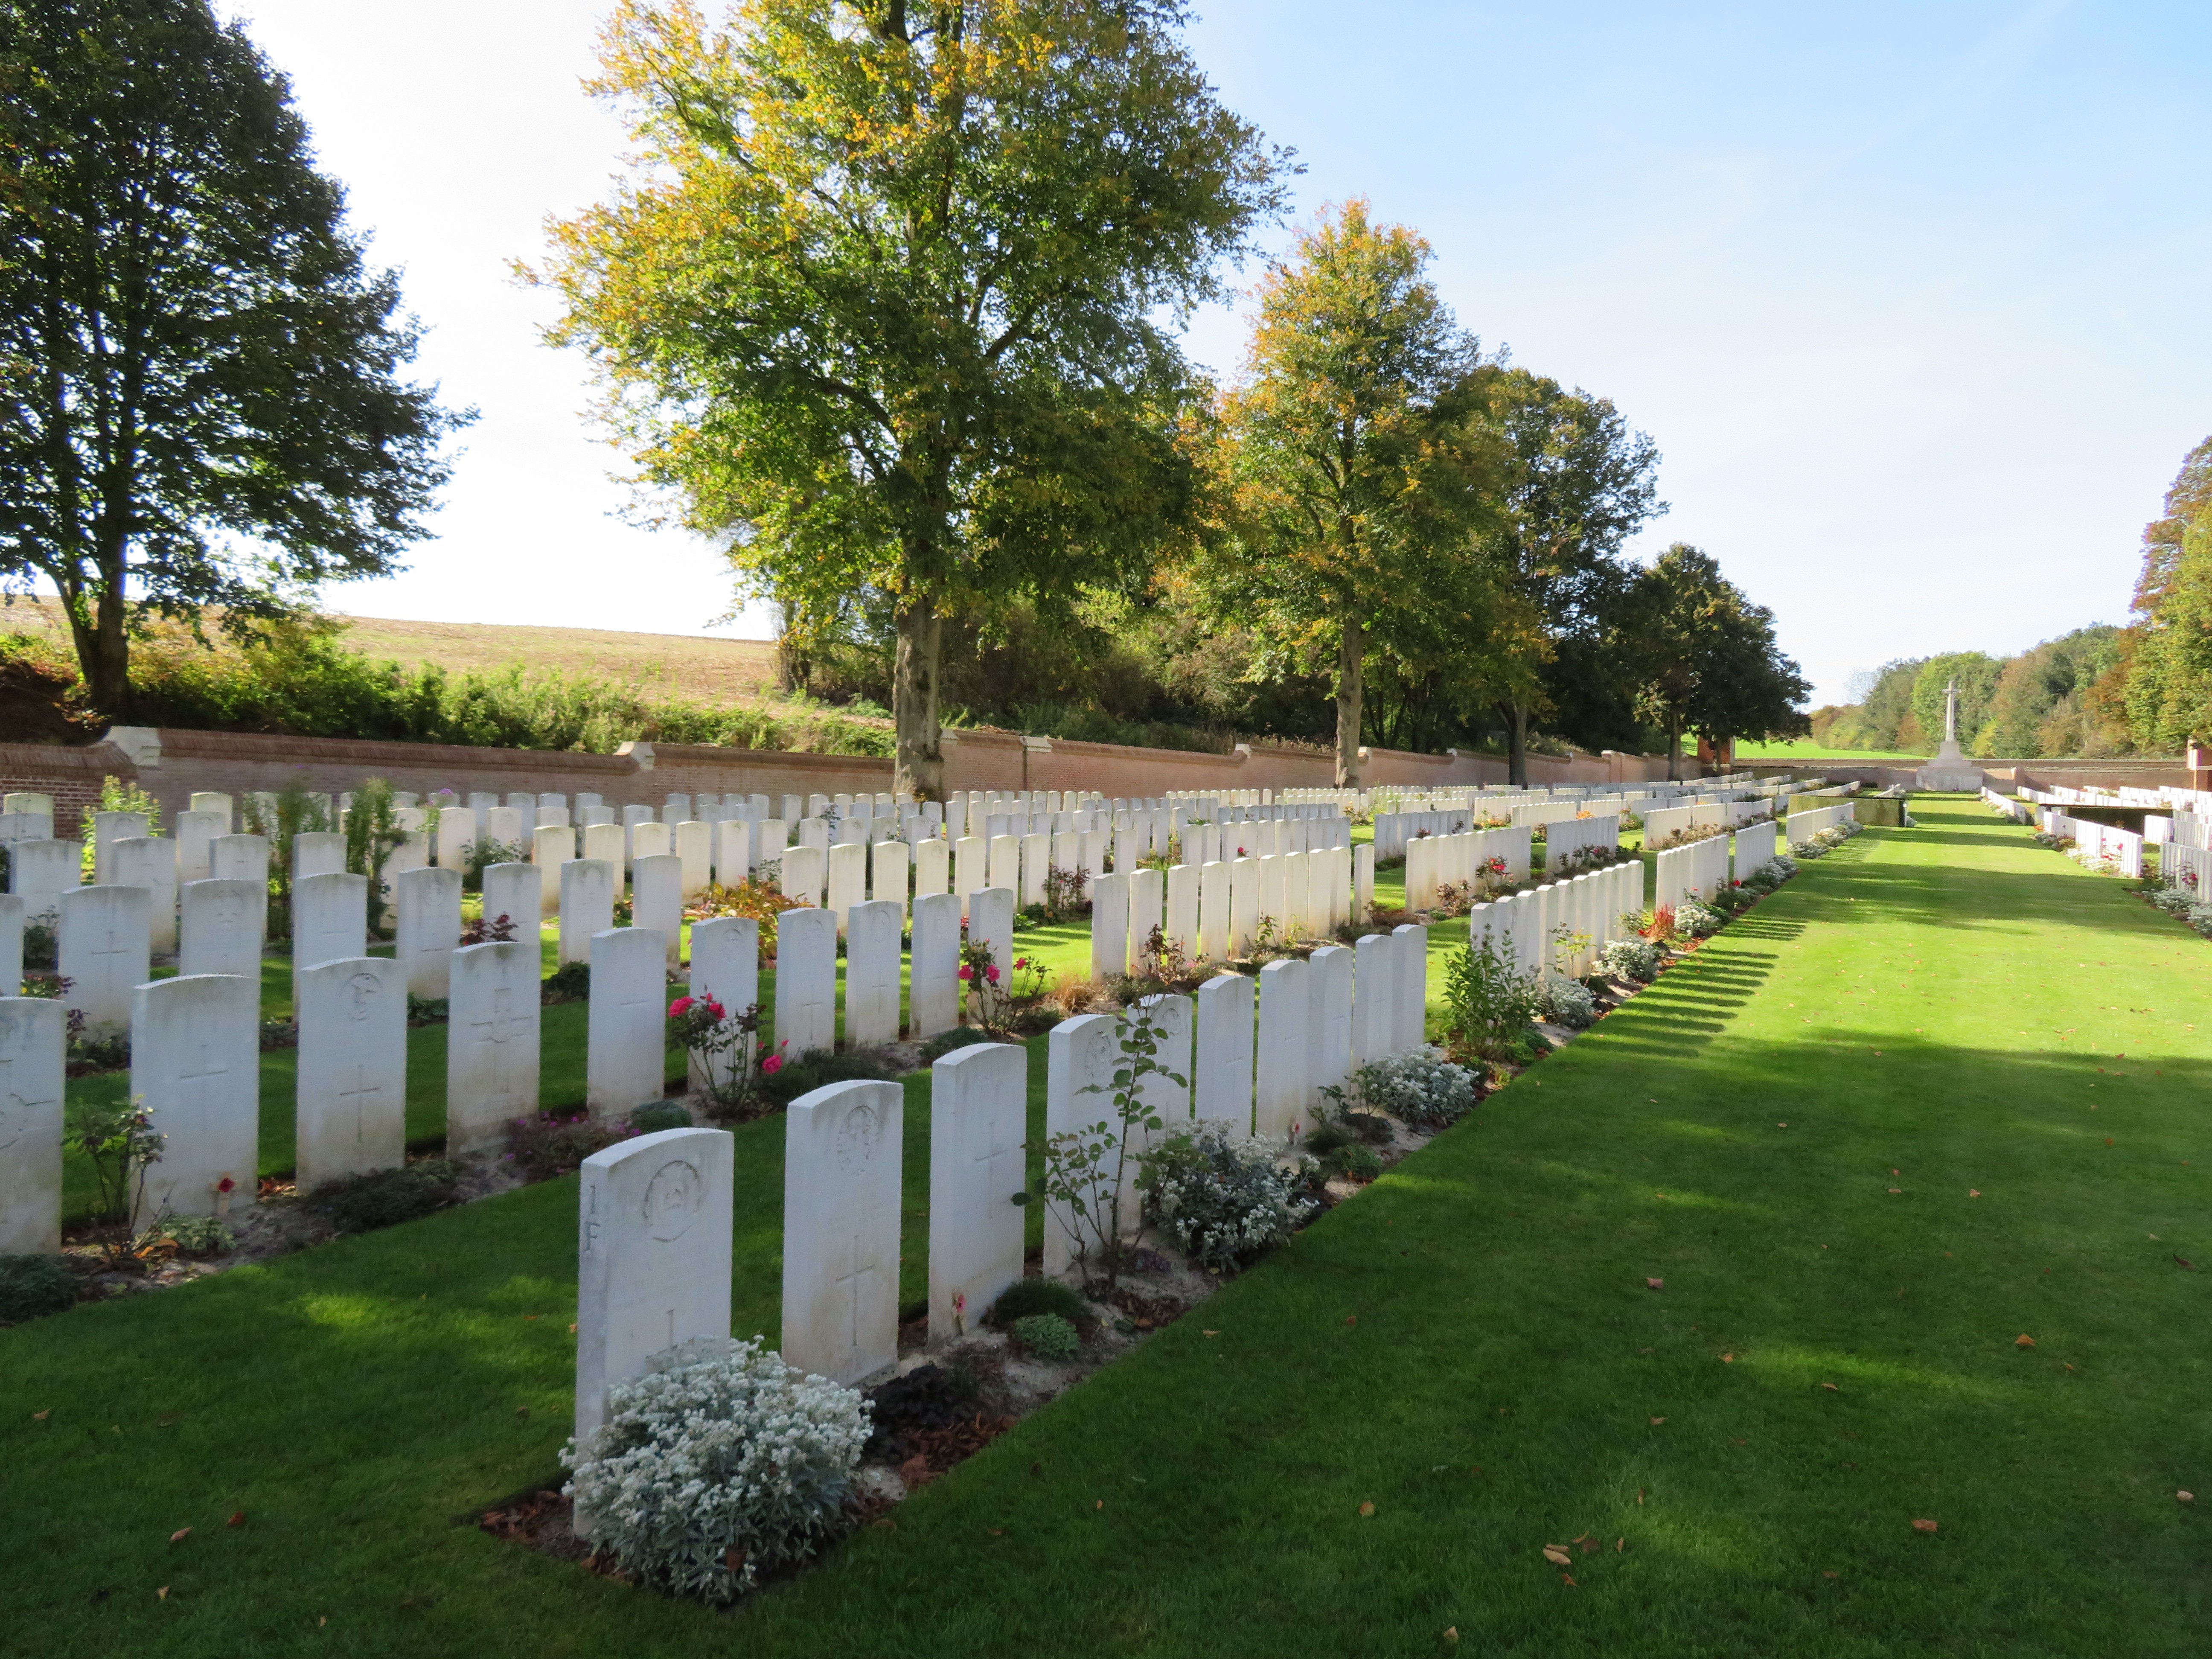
967, 972
680, 1007
991, 974
772, 1065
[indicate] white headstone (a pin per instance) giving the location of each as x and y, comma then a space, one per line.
1373, 999
656, 898
196, 1070
651, 839
13, 912
626, 1059
1413, 945
1285, 1008
514, 891
1081, 1055
1221, 1079
1109, 926
491, 1043
352, 1089
932, 868
871, 973
34, 1041
428, 902
653, 1221
692, 843
587, 905
847, 881
805, 982
934, 994
610, 842
330, 920
551, 846
103, 952
887, 873
107, 829
978, 1122
1182, 908
318, 853
196, 834
1147, 911
726, 966
991, 921
40, 872
734, 851
803, 869
503, 829
841, 1151
238, 858
1329, 1028
150, 862
219, 930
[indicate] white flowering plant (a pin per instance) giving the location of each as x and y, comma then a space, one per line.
706, 1474
1419, 1087
1567, 1002
1697, 919
1222, 1196
1638, 959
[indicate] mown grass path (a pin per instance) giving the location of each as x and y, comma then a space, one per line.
1470, 1347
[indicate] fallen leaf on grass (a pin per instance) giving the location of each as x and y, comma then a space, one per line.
2185, 1497
1897, 1190
1832, 1388
237, 1519
1924, 1526
572, 1330
1728, 1359
2023, 1341
1827, 1575
162, 1593
1639, 1496
1568, 1579
1100, 1503
1451, 1633
996, 1532
178, 1536
1620, 1545
1367, 1509
40, 1416
1656, 1422
2185, 1261
1558, 1555
1352, 1319
1655, 1284
1971, 1193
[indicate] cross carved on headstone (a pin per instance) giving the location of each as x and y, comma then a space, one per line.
360, 1095
209, 1070
497, 1029
860, 1271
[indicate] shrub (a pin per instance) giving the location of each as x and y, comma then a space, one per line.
1419, 1087
1697, 921
660, 1114
793, 1077
1223, 1196
1636, 959
199, 1235
923, 1401
362, 1204
1490, 1002
706, 1474
1047, 1336
2175, 900
1353, 1162
570, 983
41, 943
32, 1286
546, 1144
955, 1036
1568, 1003
1027, 1297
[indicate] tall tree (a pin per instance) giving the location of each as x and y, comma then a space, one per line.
199, 376
2166, 682
1363, 469
1706, 657
1581, 481
886, 289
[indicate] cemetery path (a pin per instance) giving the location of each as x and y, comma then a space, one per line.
1942, 1092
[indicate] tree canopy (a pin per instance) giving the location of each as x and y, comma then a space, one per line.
1362, 470
201, 376
1706, 658
885, 300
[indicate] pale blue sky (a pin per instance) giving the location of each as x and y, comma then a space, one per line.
1908, 295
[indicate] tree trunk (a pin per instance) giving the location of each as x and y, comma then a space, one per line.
1674, 748
103, 650
919, 769
1348, 705
1516, 744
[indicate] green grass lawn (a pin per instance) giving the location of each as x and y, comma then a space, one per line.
1805, 748
1470, 1347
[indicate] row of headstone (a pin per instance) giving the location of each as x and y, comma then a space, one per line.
655, 1213
1560, 927
1482, 860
